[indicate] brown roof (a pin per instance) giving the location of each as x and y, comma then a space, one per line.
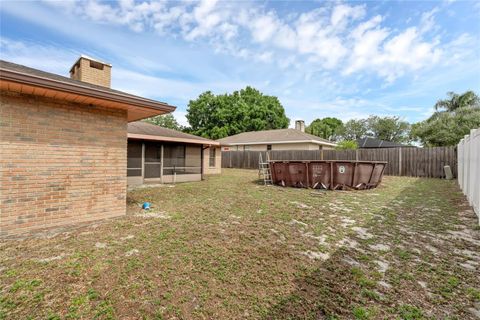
34, 78
147, 131
273, 137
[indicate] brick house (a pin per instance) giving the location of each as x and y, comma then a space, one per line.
63, 145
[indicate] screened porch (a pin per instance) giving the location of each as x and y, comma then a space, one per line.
163, 162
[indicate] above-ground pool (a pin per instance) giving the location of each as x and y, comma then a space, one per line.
327, 174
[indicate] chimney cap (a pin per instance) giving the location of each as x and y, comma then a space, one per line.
84, 56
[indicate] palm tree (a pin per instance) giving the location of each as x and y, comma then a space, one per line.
456, 101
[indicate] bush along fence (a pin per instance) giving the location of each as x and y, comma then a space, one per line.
469, 168
411, 162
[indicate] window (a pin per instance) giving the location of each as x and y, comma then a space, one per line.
246, 148
211, 160
269, 147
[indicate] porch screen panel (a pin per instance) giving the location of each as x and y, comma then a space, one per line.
193, 159
174, 159
153, 155
134, 159
152, 170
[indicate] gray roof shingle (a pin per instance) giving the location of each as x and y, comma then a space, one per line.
141, 127
275, 136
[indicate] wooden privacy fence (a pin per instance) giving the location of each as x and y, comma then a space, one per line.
469, 168
412, 162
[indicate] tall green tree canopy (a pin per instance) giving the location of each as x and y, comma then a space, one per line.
384, 128
459, 114
388, 128
218, 116
354, 129
166, 121
326, 128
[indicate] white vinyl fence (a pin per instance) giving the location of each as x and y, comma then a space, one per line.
469, 168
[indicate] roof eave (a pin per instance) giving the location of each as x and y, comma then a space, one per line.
27, 79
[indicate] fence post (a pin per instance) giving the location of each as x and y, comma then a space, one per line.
400, 161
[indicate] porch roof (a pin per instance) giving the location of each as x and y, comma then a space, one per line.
147, 131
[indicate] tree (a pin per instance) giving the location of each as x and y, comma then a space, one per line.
218, 116
166, 121
388, 128
347, 145
354, 129
384, 128
447, 127
326, 128
457, 101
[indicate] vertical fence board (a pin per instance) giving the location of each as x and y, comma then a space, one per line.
469, 168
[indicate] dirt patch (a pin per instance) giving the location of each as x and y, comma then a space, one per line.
315, 255
380, 247
153, 214
131, 252
100, 245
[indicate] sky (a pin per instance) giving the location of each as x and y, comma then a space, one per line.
320, 58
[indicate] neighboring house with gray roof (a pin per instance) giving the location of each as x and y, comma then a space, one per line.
157, 154
280, 139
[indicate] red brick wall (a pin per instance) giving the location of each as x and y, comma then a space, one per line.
60, 163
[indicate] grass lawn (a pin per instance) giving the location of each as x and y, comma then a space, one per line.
229, 248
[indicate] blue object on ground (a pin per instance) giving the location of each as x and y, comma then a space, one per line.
146, 206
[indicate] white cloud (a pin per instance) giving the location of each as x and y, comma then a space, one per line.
342, 13
263, 27
265, 56
427, 21
376, 50
334, 36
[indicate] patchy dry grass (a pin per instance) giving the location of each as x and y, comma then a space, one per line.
229, 248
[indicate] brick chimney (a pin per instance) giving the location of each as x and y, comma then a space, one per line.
300, 125
92, 71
